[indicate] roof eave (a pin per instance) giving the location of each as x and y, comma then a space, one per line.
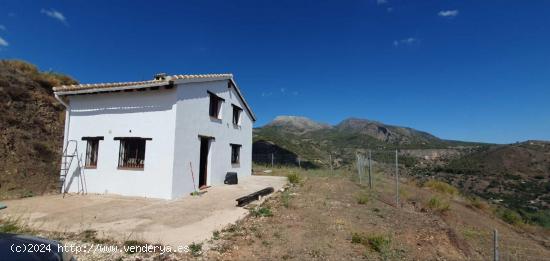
111, 89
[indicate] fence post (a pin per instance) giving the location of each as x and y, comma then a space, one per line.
330, 159
396, 180
272, 160
495, 245
370, 178
299, 163
358, 163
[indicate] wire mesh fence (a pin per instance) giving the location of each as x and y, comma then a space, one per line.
374, 168
285, 159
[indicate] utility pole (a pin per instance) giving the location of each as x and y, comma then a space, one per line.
396, 180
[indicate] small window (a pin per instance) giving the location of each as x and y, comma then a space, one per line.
235, 153
92, 146
131, 154
215, 105
237, 114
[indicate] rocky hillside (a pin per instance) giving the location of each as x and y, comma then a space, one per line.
31, 123
516, 175
313, 141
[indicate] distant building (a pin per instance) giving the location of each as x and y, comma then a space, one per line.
144, 138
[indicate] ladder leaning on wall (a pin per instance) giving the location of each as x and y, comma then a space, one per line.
69, 156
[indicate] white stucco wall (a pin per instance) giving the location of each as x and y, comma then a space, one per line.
147, 114
193, 119
173, 119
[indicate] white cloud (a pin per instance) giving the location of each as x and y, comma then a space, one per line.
406, 41
3, 42
381, 2
266, 94
2, 27
448, 13
55, 15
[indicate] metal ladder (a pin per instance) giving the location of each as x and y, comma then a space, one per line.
67, 161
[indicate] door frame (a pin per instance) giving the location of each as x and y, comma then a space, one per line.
204, 172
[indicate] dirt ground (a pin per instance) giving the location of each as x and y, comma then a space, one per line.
175, 222
329, 216
322, 219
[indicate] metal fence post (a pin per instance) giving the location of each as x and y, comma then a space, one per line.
299, 163
330, 159
495, 245
272, 159
396, 180
358, 163
370, 178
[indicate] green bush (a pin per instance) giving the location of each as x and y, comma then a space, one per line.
293, 178
216, 235
509, 216
196, 249
261, 212
10, 226
438, 204
285, 198
442, 187
379, 243
363, 198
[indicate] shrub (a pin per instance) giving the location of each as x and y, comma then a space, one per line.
261, 212
379, 243
356, 238
510, 217
363, 198
438, 204
293, 178
195, 249
477, 203
442, 187
10, 226
216, 235
285, 198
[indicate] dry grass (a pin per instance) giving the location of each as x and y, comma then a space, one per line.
441, 187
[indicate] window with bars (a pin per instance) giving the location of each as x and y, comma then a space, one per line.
235, 153
131, 153
215, 105
92, 147
237, 114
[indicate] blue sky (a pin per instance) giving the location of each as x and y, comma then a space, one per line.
466, 70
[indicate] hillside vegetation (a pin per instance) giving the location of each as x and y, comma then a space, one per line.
31, 123
516, 176
313, 141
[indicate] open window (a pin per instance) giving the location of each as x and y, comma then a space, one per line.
131, 153
235, 153
92, 148
215, 105
237, 114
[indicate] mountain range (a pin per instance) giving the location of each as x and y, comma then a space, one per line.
313, 141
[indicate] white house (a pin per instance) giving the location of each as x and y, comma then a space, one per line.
162, 138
